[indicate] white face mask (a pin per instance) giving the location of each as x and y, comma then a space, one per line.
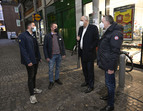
34, 29
101, 25
81, 23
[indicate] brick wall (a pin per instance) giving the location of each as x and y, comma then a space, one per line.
10, 18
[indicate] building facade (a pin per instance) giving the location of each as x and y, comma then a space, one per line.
129, 14
67, 13
10, 19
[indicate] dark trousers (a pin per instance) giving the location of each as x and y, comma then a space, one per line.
32, 71
88, 71
110, 83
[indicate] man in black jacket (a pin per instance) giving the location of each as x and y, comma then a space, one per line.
88, 40
53, 50
30, 57
108, 55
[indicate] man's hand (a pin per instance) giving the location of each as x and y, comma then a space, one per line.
63, 57
48, 59
110, 71
30, 64
40, 60
77, 38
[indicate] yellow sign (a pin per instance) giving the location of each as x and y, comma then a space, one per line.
124, 16
36, 17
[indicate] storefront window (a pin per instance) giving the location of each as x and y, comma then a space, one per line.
41, 31
88, 9
102, 7
2, 26
63, 13
133, 40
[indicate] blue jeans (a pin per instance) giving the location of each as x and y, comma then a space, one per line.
110, 83
56, 59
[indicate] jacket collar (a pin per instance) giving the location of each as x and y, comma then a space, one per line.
86, 27
53, 33
111, 28
58, 35
29, 33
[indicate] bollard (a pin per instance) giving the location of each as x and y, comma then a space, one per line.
122, 67
78, 58
78, 62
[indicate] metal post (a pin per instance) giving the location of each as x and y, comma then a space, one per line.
40, 32
78, 58
96, 12
122, 71
141, 61
44, 15
35, 9
35, 5
78, 5
107, 9
22, 15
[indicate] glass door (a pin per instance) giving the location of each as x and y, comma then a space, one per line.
142, 51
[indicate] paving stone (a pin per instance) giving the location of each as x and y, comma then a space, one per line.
14, 95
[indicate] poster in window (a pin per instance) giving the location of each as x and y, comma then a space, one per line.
18, 23
16, 9
125, 16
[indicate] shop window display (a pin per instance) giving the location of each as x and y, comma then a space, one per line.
133, 38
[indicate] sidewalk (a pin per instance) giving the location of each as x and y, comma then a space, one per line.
14, 95
129, 98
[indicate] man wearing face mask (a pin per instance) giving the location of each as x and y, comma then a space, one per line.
88, 40
108, 55
54, 50
30, 57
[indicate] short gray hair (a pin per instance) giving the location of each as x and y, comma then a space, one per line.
109, 18
86, 18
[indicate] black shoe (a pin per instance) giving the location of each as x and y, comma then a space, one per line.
107, 108
51, 85
104, 97
88, 90
84, 84
58, 81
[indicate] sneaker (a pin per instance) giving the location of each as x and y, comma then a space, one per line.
58, 81
51, 85
107, 108
33, 99
37, 91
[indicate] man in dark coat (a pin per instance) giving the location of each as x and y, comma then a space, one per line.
108, 55
88, 40
30, 57
54, 50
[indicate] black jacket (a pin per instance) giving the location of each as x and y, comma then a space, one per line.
90, 42
27, 49
48, 45
109, 47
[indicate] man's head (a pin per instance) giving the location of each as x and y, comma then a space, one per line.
107, 20
54, 27
30, 25
84, 21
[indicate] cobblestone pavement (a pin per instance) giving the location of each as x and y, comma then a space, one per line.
14, 95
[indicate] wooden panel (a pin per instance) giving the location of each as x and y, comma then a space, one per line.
29, 11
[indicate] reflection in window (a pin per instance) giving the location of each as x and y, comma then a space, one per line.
2, 26
1, 13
